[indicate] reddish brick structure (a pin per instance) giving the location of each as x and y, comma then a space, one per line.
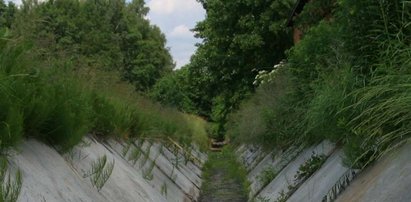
298, 8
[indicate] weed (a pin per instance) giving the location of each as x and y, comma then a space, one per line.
126, 149
100, 172
267, 175
10, 188
134, 155
309, 167
146, 155
282, 197
164, 190
148, 173
304, 171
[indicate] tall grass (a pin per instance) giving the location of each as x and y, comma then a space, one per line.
384, 116
349, 81
267, 118
59, 105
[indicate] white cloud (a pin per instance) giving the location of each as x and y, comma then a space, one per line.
182, 52
17, 2
165, 7
175, 18
181, 31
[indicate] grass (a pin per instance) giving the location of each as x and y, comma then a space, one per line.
198, 127
10, 185
267, 175
59, 105
224, 178
267, 119
309, 167
382, 121
100, 172
348, 80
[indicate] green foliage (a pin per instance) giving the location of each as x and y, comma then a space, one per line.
103, 123
304, 171
382, 119
59, 104
236, 35
70, 117
309, 167
100, 172
267, 118
314, 12
324, 116
283, 197
7, 14
10, 188
135, 155
347, 81
174, 90
267, 175
108, 35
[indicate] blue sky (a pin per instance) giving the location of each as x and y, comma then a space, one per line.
175, 18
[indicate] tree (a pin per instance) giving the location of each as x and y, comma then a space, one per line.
7, 14
146, 59
108, 35
236, 36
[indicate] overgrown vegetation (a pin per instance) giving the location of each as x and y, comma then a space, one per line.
236, 38
69, 68
66, 71
225, 179
347, 80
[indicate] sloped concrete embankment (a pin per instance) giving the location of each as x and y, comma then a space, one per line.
140, 171
388, 179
